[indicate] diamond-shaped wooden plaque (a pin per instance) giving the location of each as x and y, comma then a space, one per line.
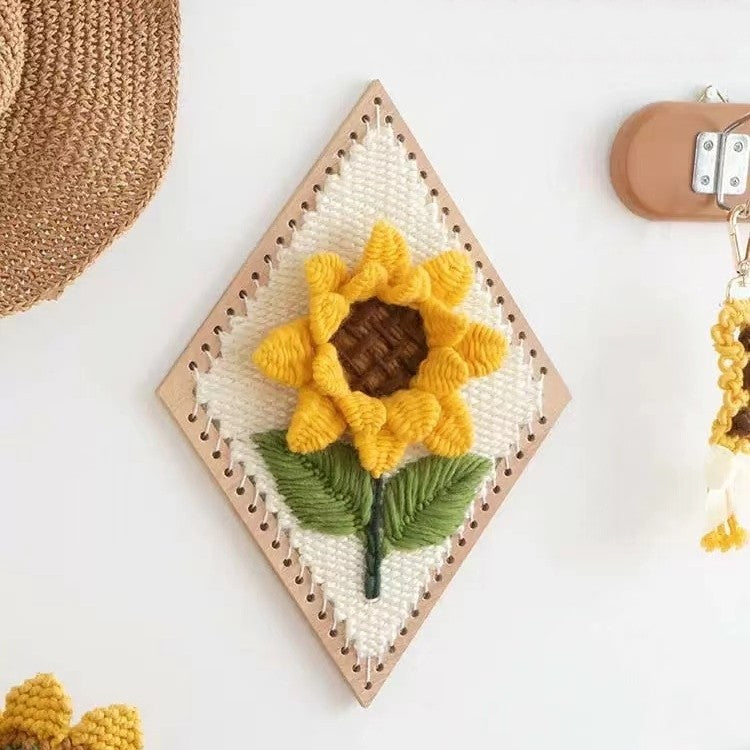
178, 394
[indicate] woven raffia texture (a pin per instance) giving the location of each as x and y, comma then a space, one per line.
85, 132
380, 346
377, 181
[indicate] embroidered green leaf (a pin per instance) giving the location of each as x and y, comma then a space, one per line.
328, 491
426, 501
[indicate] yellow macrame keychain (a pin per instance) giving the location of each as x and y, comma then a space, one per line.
729, 444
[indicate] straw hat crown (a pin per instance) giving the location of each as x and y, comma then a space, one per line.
11, 50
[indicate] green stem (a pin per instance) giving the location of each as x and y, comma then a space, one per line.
374, 542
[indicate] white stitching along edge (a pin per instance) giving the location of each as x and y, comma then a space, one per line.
376, 181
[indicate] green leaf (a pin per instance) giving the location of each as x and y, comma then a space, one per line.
426, 501
328, 491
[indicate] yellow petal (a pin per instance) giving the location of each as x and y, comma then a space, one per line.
111, 728
363, 413
451, 275
482, 348
454, 433
315, 423
412, 414
414, 288
327, 312
442, 326
442, 372
40, 708
365, 282
325, 272
286, 354
328, 373
387, 247
379, 452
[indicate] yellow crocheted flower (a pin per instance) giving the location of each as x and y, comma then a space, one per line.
38, 713
383, 353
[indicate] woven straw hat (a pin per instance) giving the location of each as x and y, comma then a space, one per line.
88, 91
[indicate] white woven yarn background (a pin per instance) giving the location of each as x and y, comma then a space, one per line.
376, 181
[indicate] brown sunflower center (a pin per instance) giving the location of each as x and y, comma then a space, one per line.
380, 346
741, 421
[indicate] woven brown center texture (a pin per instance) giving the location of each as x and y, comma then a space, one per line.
380, 346
85, 132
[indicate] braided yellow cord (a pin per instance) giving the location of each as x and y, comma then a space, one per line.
733, 358
734, 315
40, 711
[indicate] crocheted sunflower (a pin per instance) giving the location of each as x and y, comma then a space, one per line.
37, 717
382, 353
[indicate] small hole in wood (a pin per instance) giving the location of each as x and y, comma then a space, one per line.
434, 192
467, 247
353, 136
368, 685
380, 667
450, 559
341, 153
391, 649
192, 417
445, 210
400, 138
286, 562
522, 335
531, 437
438, 577
423, 174
473, 524
461, 542
217, 330
292, 223
356, 668
403, 631
478, 264
316, 188
519, 455
267, 259
456, 228
329, 170
344, 650
252, 508
299, 580
426, 595
511, 317
411, 156
276, 544
264, 526
365, 118
532, 352
500, 300
279, 241
216, 454
542, 420
192, 365
304, 206
205, 348
508, 472
310, 597
485, 507
204, 436
496, 489
230, 311
389, 119
377, 101
415, 613
543, 370
242, 294
333, 632
322, 615
240, 491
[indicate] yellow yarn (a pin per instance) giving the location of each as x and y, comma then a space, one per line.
39, 711
286, 354
327, 312
315, 423
431, 410
412, 414
734, 315
325, 272
733, 358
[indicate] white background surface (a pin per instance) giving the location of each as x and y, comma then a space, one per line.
587, 616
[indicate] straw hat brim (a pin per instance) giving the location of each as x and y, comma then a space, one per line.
86, 138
